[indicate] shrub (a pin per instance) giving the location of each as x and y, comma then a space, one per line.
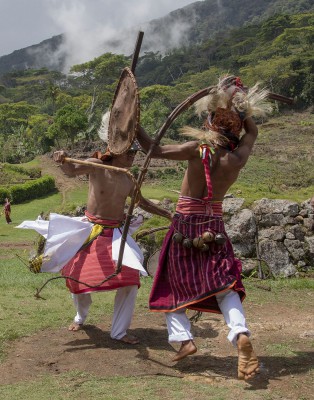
29, 191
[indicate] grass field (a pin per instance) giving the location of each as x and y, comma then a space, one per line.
22, 315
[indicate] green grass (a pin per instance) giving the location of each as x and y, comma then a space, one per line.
31, 164
83, 386
27, 211
280, 350
21, 314
254, 192
160, 192
275, 290
18, 287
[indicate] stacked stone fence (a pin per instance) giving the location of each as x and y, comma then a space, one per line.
277, 233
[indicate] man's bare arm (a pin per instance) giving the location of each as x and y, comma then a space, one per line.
152, 208
247, 141
71, 169
180, 152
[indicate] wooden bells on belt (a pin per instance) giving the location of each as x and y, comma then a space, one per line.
200, 242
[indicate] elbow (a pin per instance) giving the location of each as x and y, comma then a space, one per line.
250, 126
70, 174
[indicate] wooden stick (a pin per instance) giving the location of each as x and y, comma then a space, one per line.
137, 191
150, 231
137, 50
180, 108
104, 166
279, 97
92, 164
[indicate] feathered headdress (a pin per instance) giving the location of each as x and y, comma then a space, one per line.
103, 135
226, 107
230, 93
104, 128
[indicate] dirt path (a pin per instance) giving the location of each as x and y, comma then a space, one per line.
283, 339
63, 182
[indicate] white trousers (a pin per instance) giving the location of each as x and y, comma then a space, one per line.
124, 304
179, 326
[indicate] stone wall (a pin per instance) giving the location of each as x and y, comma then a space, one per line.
280, 232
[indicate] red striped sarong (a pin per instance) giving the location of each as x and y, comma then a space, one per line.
93, 263
189, 277
188, 205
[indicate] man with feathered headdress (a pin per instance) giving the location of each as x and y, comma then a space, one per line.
197, 269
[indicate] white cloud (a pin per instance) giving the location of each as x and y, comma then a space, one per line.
28, 22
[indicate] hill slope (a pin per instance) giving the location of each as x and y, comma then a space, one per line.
192, 24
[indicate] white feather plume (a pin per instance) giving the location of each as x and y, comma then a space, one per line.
254, 103
209, 136
104, 126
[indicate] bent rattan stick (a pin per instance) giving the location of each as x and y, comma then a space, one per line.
146, 232
75, 280
177, 111
279, 97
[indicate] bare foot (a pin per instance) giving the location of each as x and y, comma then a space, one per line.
129, 339
75, 327
187, 348
247, 360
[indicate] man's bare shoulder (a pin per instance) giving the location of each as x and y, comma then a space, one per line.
94, 160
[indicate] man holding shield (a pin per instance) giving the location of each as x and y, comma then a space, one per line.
109, 188
108, 191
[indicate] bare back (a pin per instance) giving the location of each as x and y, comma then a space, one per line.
225, 167
224, 172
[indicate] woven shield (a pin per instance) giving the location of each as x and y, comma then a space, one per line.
152, 263
124, 115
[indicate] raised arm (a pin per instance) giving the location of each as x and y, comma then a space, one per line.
152, 208
247, 141
71, 169
180, 152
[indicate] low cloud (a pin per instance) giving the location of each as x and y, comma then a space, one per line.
90, 26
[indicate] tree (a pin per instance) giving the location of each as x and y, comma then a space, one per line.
105, 69
52, 94
37, 137
13, 115
68, 123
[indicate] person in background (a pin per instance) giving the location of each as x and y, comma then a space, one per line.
7, 210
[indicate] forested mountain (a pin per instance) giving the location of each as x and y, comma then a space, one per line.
189, 26
41, 109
